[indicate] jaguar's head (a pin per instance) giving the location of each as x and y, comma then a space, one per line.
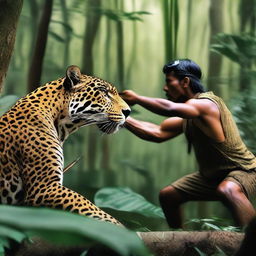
94, 101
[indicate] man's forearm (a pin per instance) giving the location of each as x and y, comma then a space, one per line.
159, 106
144, 130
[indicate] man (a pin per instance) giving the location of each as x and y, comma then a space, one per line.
227, 169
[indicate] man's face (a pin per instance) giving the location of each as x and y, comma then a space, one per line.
173, 88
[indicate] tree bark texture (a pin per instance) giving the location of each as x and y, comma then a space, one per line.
34, 10
91, 29
120, 49
247, 11
215, 60
65, 17
9, 15
183, 243
36, 66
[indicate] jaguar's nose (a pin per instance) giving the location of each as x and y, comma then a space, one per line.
126, 112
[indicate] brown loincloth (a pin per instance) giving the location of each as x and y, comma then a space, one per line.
196, 187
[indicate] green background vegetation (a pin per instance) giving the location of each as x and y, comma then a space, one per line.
127, 43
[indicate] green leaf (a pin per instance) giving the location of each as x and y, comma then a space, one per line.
11, 233
220, 252
238, 48
67, 228
199, 252
64, 24
4, 242
214, 223
130, 208
84, 253
6, 102
124, 199
210, 226
120, 15
56, 36
227, 51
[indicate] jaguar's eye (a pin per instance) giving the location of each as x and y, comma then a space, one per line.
105, 91
102, 89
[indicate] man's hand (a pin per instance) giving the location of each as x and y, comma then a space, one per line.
129, 96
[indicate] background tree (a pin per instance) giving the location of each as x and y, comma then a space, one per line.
215, 60
171, 26
172, 29
91, 29
9, 15
35, 70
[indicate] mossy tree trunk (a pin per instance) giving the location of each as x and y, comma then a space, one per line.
160, 244
65, 18
171, 27
215, 60
120, 48
36, 65
247, 11
34, 10
91, 29
9, 15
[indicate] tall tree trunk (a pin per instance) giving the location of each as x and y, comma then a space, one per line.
247, 10
91, 28
216, 26
133, 56
65, 18
188, 25
34, 12
105, 156
171, 26
9, 15
36, 66
120, 48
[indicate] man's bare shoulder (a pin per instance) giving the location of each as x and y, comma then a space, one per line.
205, 106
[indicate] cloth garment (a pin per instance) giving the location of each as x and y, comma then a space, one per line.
217, 161
196, 187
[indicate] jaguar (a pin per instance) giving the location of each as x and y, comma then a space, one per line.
32, 134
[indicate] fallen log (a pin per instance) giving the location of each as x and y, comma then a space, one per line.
187, 242
160, 243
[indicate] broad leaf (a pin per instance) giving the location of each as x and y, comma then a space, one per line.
11, 233
67, 228
124, 199
238, 48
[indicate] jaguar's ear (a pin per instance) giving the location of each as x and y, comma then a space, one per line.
73, 75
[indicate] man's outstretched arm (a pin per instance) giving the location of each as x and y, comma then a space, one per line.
191, 109
156, 105
168, 129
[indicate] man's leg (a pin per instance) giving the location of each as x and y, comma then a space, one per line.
192, 187
171, 200
237, 202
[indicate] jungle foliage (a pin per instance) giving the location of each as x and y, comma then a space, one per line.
65, 228
127, 43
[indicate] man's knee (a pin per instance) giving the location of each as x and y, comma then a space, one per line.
229, 190
170, 195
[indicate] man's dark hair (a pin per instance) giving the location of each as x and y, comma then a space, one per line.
185, 67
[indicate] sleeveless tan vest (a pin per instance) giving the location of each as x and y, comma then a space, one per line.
213, 156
